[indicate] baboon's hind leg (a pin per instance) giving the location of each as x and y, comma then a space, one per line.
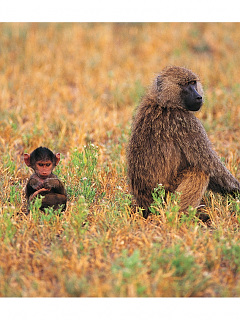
55, 200
192, 185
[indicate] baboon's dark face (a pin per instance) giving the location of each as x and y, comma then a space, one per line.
191, 97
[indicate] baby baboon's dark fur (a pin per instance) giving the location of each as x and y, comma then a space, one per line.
47, 185
169, 145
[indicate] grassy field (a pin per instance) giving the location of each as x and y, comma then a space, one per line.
74, 88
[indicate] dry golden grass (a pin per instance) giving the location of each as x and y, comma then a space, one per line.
66, 86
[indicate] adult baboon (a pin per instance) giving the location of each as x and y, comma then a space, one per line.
169, 145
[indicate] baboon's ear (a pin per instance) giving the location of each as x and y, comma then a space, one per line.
27, 159
57, 158
159, 82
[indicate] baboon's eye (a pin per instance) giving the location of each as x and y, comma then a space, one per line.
193, 82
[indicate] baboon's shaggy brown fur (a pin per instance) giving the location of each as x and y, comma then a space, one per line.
169, 146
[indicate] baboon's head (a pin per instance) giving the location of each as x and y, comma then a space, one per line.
179, 87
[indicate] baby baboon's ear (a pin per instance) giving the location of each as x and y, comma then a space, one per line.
27, 159
57, 158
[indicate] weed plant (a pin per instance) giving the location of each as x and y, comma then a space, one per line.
74, 88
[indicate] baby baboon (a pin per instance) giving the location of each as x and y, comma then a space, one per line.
43, 181
169, 145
